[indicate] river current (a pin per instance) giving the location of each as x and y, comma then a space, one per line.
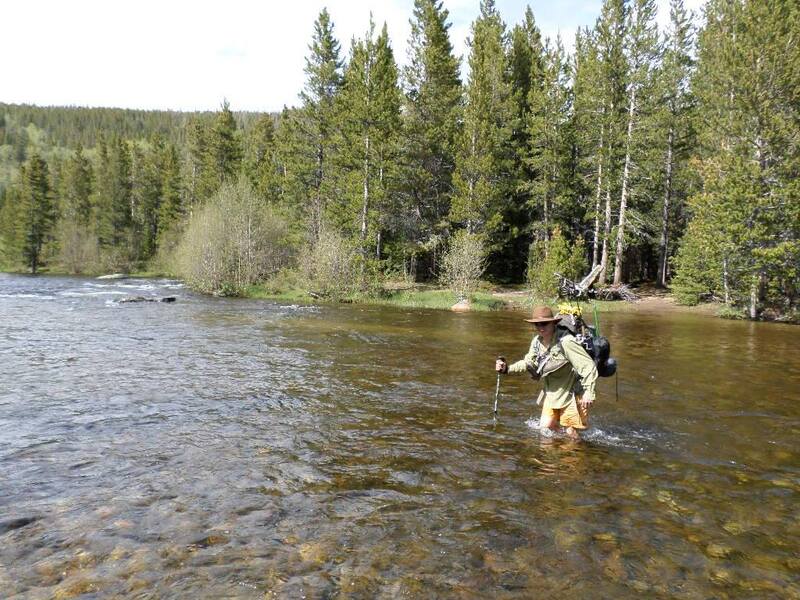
222, 448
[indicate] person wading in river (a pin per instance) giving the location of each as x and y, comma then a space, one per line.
567, 372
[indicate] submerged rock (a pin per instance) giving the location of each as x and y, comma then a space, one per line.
129, 299
11, 524
461, 306
718, 550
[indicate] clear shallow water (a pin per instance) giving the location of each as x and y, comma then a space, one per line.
240, 449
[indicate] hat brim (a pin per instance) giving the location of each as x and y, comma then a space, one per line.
553, 320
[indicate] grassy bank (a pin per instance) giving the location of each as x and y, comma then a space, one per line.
508, 298
412, 297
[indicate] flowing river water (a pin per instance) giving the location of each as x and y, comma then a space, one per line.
220, 448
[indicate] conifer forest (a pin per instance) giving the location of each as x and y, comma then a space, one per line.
666, 155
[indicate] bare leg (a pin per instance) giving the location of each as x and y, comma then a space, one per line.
573, 433
549, 422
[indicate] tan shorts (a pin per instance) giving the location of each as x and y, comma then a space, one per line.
573, 415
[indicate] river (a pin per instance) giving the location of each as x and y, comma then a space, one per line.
222, 448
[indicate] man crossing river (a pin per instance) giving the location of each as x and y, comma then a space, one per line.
567, 372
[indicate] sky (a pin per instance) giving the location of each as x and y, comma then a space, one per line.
191, 55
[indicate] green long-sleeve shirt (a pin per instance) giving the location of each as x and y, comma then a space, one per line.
578, 376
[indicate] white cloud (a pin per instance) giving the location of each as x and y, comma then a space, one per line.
177, 54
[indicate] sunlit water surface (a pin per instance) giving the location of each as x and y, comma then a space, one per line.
218, 448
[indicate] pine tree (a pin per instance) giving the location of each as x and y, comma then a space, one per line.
11, 229
261, 162
314, 126
525, 60
549, 150
482, 183
641, 41
37, 210
225, 145
432, 109
368, 117
675, 105
589, 121
609, 36
78, 188
172, 209
745, 223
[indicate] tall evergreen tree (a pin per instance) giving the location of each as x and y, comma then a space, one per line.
743, 241
172, 209
482, 179
260, 161
432, 109
369, 118
313, 128
641, 42
78, 188
674, 120
38, 210
225, 145
525, 60
609, 37
113, 204
549, 149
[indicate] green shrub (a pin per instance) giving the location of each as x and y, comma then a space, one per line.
463, 263
232, 242
329, 266
547, 260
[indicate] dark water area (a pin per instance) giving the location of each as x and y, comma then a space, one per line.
220, 448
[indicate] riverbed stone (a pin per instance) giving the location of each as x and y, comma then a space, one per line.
637, 492
734, 527
613, 567
461, 306
314, 552
605, 536
75, 586
715, 550
720, 575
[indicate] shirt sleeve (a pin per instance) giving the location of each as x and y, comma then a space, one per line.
583, 365
520, 365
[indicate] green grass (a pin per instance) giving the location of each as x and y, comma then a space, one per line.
439, 299
412, 298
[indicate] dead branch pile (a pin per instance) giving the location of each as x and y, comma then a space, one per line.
615, 292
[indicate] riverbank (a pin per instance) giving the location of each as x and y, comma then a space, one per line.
651, 300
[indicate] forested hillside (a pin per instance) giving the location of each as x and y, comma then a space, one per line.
664, 156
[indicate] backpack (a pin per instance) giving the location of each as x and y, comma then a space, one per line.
597, 346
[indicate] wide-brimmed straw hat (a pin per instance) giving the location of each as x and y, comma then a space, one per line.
543, 314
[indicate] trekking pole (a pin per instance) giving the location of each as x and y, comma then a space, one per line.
497, 387
596, 321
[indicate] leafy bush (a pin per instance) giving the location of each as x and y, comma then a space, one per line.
546, 260
78, 248
463, 263
330, 265
232, 242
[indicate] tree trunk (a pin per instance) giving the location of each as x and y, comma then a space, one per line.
725, 280
606, 234
365, 206
365, 203
382, 197
596, 243
662, 265
623, 201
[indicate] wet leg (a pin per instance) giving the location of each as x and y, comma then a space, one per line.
549, 420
